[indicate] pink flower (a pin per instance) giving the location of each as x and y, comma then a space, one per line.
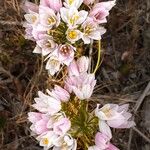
47, 139
39, 121
116, 116
88, 2
65, 54
65, 142
62, 126
28, 31
28, 6
47, 104
59, 93
46, 44
34, 117
48, 18
102, 142
38, 33
53, 4
101, 10
92, 31
82, 85
78, 67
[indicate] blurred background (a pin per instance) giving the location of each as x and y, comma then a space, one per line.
123, 77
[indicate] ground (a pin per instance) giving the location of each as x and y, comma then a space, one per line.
123, 76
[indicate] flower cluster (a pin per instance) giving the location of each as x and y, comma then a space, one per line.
50, 124
63, 119
57, 27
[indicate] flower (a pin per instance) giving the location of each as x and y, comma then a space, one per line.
62, 126
47, 104
32, 18
115, 115
59, 93
39, 121
101, 10
72, 16
47, 139
48, 18
28, 31
73, 3
53, 4
53, 64
88, 2
82, 85
73, 35
65, 53
34, 117
65, 142
78, 67
102, 142
29, 6
91, 31
46, 44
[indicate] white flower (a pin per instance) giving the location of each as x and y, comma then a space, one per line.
72, 16
48, 18
47, 44
91, 31
47, 104
73, 3
73, 35
65, 143
47, 139
53, 64
32, 18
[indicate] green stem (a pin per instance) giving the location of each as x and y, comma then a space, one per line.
99, 56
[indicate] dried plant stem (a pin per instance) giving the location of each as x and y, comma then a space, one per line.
99, 56
137, 106
141, 134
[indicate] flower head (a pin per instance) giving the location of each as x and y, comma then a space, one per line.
48, 18
73, 35
53, 64
62, 126
102, 142
78, 67
47, 139
82, 85
65, 53
91, 31
115, 115
73, 3
101, 10
46, 44
65, 142
39, 125
59, 93
53, 4
72, 16
47, 104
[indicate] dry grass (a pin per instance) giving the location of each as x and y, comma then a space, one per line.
122, 77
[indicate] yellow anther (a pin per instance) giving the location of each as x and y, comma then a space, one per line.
71, 1
34, 18
45, 141
72, 34
107, 111
74, 19
51, 20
